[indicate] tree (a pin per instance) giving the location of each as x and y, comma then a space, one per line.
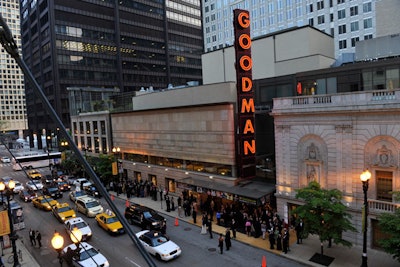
324, 214
390, 225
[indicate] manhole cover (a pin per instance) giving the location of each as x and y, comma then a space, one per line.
187, 229
212, 249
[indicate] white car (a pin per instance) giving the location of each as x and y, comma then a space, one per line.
159, 245
88, 206
5, 159
74, 195
18, 187
79, 223
34, 185
81, 181
86, 255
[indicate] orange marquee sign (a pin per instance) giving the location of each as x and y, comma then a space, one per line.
4, 223
246, 143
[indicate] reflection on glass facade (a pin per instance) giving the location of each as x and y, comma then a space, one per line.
189, 165
122, 44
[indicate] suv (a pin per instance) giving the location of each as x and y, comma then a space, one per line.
52, 191
152, 220
88, 206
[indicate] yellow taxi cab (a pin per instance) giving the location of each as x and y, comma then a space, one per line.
34, 175
63, 212
109, 222
44, 202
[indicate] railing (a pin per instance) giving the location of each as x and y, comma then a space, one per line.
383, 95
382, 206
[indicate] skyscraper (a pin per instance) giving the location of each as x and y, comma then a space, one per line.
12, 93
124, 44
348, 21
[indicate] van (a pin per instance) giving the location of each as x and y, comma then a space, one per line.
88, 206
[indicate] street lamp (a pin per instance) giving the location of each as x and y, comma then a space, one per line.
57, 242
76, 235
8, 192
364, 177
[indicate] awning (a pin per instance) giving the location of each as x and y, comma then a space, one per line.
254, 192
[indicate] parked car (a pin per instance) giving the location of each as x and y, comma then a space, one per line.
63, 212
159, 245
5, 159
44, 203
88, 206
110, 223
34, 185
74, 195
86, 255
53, 192
141, 215
79, 223
27, 195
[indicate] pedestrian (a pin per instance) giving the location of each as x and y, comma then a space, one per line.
210, 227
228, 243
32, 237
1, 262
248, 227
168, 203
204, 222
194, 212
221, 243
299, 231
39, 238
163, 227
263, 229
233, 228
271, 239
218, 216
285, 240
172, 204
278, 237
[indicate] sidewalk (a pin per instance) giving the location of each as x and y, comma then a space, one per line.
27, 259
302, 253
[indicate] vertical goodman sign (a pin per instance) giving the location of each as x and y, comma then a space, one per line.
246, 143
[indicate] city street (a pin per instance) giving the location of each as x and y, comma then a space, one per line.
198, 250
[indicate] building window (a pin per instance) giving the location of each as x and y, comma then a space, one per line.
342, 44
103, 127
341, 1
311, 22
384, 185
368, 36
331, 17
310, 8
320, 5
367, 7
353, 10
354, 40
321, 19
342, 29
341, 14
354, 26
333, 32
367, 23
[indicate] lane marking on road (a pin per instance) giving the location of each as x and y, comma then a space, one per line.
132, 262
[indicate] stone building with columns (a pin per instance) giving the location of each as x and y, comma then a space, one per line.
332, 139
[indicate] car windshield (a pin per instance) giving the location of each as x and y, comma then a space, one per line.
45, 200
36, 182
158, 241
53, 189
79, 193
64, 209
88, 253
147, 214
112, 220
79, 225
92, 204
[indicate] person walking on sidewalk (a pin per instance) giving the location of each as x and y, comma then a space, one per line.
32, 237
39, 238
233, 227
210, 227
285, 240
194, 212
204, 223
271, 238
228, 243
299, 231
221, 243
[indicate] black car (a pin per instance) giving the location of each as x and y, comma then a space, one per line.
53, 192
91, 190
63, 186
27, 195
144, 216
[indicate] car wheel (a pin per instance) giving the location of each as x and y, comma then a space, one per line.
158, 257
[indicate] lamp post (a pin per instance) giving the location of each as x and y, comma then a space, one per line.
364, 177
57, 242
8, 191
116, 151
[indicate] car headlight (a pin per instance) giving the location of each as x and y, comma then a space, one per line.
154, 223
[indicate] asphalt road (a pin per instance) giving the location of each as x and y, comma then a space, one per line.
197, 250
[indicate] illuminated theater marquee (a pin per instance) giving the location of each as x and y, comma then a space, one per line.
246, 144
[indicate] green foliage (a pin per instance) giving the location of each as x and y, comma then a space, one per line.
323, 213
390, 224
